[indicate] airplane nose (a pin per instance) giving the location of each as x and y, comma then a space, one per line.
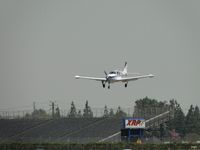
110, 76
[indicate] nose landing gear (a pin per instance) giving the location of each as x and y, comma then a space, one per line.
108, 85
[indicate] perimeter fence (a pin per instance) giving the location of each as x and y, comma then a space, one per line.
47, 114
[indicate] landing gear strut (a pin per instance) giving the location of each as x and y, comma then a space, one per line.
103, 84
108, 85
126, 84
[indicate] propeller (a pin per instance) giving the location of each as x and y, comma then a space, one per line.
125, 64
106, 75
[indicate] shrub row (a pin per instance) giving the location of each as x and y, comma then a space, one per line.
95, 146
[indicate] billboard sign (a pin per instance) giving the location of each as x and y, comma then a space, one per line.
134, 123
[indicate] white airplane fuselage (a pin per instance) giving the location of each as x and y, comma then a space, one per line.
116, 76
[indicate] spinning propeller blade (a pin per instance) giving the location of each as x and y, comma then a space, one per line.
106, 73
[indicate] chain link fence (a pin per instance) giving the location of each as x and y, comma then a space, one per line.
47, 114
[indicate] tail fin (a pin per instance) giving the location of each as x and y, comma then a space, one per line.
125, 71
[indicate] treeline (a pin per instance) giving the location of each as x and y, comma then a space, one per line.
75, 113
185, 124
87, 112
180, 125
148, 108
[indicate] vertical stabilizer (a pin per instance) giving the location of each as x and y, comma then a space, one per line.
125, 71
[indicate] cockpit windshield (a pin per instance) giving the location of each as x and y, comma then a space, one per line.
112, 72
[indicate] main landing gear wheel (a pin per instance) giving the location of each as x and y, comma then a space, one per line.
108, 86
126, 85
103, 84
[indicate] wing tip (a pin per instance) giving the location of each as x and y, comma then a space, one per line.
77, 77
151, 75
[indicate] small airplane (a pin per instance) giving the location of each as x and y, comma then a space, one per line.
116, 76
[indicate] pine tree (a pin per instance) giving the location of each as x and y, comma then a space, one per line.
87, 112
57, 114
79, 115
111, 113
178, 122
197, 119
196, 113
106, 114
189, 122
120, 113
72, 113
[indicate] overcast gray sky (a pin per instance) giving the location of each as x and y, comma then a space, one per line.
44, 43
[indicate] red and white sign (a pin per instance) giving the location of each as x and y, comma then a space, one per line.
134, 123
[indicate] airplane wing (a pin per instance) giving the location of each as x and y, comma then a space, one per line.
90, 78
136, 78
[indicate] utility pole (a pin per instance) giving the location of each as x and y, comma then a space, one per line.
34, 107
53, 109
